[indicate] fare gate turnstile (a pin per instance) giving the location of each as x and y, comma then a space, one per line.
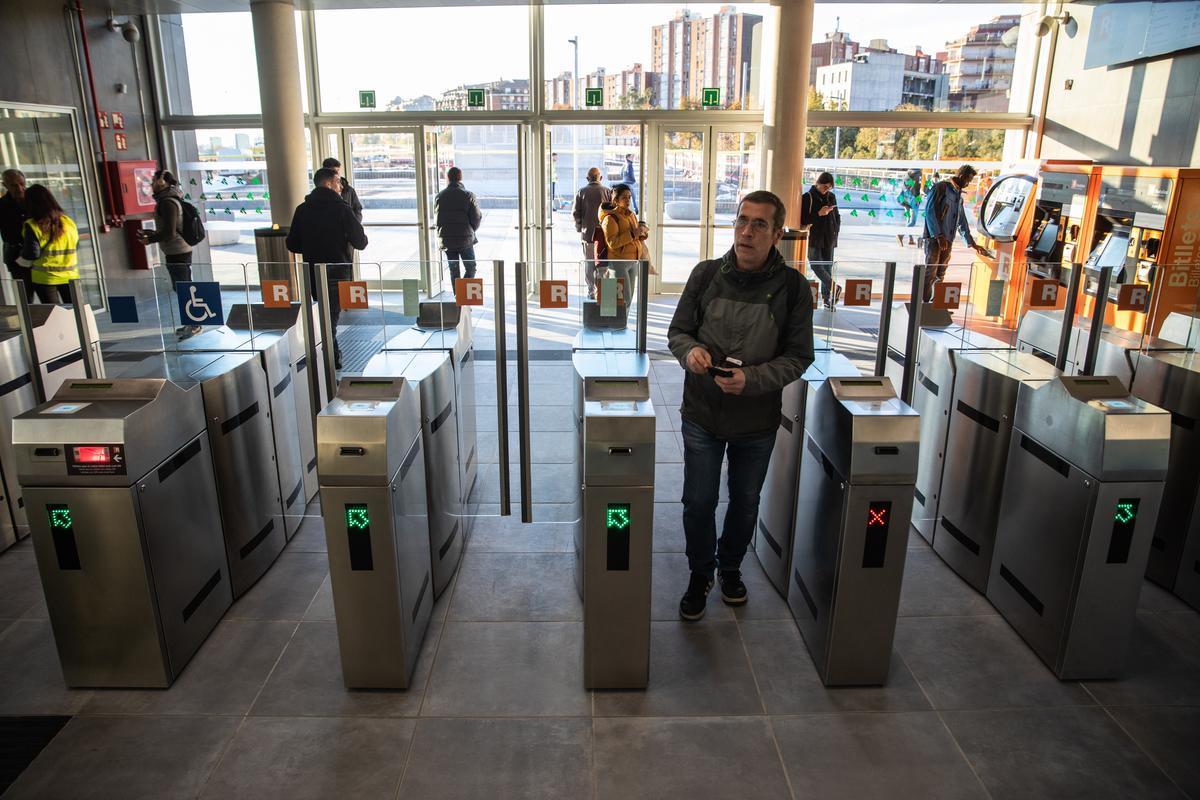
983, 407
432, 373
777, 509
1172, 381
376, 528
601, 332
237, 410
852, 517
1081, 498
56, 339
614, 418
118, 480
446, 328
938, 319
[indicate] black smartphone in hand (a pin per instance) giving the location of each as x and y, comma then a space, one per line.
718, 372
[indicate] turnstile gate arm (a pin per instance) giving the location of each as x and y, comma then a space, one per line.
522, 290
327, 332
885, 316
912, 340
27, 341
91, 365
501, 386
310, 348
1064, 338
643, 303
1097, 331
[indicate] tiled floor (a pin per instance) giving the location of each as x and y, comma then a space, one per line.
497, 709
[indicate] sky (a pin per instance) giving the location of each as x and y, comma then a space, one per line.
412, 52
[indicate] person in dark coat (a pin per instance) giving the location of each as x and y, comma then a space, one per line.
325, 231
349, 196
587, 216
458, 217
819, 211
13, 214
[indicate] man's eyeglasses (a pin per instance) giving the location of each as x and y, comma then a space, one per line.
756, 225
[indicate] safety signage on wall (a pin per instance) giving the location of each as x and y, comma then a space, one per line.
366, 98
593, 97
276, 294
474, 98
711, 97
947, 295
858, 292
352, 294
200, 303
553, 294
468, 291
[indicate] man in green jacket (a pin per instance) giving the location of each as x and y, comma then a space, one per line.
743, 331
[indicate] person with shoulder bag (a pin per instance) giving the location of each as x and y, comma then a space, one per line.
50, 246
623, 234
819, 213
168, 234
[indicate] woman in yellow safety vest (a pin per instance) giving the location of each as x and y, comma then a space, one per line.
49, 247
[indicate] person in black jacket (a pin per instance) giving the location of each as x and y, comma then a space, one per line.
325, 231
457, 214
349, 196
12, 228
819, 211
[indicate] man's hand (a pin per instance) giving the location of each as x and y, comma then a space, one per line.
699, 360
734, 384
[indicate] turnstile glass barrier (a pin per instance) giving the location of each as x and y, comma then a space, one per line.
1081, 499
824, 284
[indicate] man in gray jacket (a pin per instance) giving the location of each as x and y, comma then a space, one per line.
944, 216
587, 216
167, 234
458, 217
743, 331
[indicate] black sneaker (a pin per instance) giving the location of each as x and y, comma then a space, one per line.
733, 591
691, 607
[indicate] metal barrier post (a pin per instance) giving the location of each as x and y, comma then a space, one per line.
501, 386
643, 303
885, 316
327, 331
1097, 332
913, 339
1064, 339
523, 392
91, 367
310, 345
31, 354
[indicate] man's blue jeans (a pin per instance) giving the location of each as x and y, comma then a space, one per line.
702, 457
467, 256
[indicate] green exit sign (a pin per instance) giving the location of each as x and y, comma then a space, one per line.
711, 98
593, 97
474, 98
366, 98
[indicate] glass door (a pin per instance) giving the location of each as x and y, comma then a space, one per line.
382, 166
431, 181
703, 172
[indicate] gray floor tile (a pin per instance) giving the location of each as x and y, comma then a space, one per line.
763, 600
544, 447
1169, 736
286, 590
551, 483
542, 512
523, 759
789, 683
550, 418
1154, 598
33, 681
668, 482
932, 589
861, 755
1056, 753
695, 670
666, 448
979, 662
297, 758
495, 534
21, 581
310, 538
127, 757
668, 527
508, 669
688, 759
915, 542
668, 581
308, 680
223, 678
1163, 665
516, 587
321, 608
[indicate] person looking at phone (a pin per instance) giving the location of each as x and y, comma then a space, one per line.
747, 317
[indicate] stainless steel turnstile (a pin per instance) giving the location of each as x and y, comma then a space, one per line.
118, 482
852, 518
446, 327
376, 528
1081, 498
1117, 352
605, 333
615, 466
938, 319
432, 373
777, 508
60, 357
235, 395
1172, 382
982, 409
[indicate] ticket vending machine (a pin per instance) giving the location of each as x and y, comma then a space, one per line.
614, 419
1082, 489
777, 508
118, 481
432, 374
373, 498
852, 518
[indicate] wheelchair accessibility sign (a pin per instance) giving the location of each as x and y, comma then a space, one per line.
200, 303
